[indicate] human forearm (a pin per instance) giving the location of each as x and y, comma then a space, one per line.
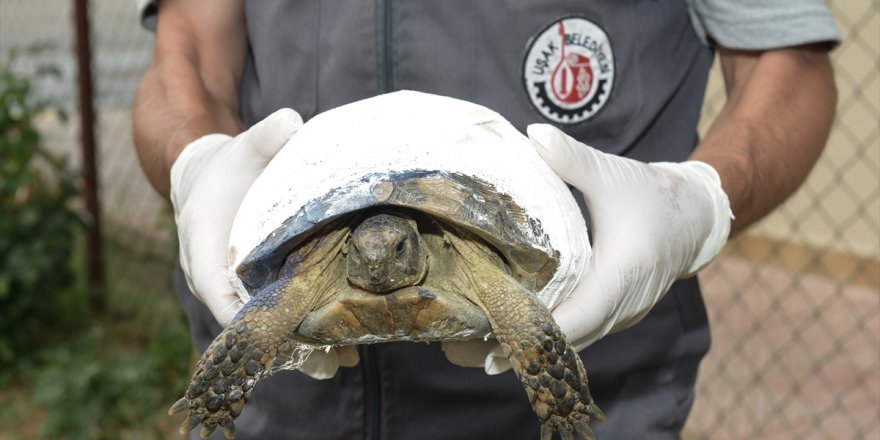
189, 91
168, 115
191, 87
773, 127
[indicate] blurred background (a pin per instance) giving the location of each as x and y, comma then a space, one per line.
794, 302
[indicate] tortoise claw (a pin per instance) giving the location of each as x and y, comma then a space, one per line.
546, 432
191, 421
178, 406
206, 430
584, 430
228, 428
596, 413
581, 428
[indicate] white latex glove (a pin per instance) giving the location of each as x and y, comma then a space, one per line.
208, 181
323, 364
652, 224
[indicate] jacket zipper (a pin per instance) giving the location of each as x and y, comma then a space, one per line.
369, 356
384, 46
372, 392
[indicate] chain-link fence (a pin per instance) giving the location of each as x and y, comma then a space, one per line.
794, 303
40, 33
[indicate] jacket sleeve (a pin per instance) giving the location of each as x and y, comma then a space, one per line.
763, 24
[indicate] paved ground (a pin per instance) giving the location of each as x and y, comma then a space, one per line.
793, 356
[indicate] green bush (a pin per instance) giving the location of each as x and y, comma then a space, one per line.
38, 228
68, 372
90, 392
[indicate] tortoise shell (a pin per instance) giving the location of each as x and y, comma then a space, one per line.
499, 238
457, 161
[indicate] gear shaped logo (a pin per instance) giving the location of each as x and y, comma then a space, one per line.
568, 71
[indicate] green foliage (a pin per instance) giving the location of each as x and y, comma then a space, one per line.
38, 226
90, 392
68, 372
115, 379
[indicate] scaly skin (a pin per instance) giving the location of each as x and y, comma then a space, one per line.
262, 332
547, 365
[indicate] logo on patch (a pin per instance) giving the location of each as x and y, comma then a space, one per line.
569, 70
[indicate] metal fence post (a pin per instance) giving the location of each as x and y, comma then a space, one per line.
94, 263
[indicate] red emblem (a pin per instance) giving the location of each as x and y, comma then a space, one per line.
570, 81
568, 71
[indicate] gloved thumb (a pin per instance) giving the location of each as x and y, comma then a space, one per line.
568, 158
323, 364
496, 362
208, 181
477, 353
267, 137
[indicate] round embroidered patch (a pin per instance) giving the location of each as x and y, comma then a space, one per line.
568, 70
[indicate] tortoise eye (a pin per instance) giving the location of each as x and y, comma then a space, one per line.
400, 247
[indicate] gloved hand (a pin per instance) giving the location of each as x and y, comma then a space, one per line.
652, 224
208, 182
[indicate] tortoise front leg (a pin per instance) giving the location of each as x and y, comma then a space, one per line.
240, 356
262, 332
547, 365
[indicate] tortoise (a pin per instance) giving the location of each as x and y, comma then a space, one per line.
381, 232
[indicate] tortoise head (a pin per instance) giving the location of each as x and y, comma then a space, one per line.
385, 253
